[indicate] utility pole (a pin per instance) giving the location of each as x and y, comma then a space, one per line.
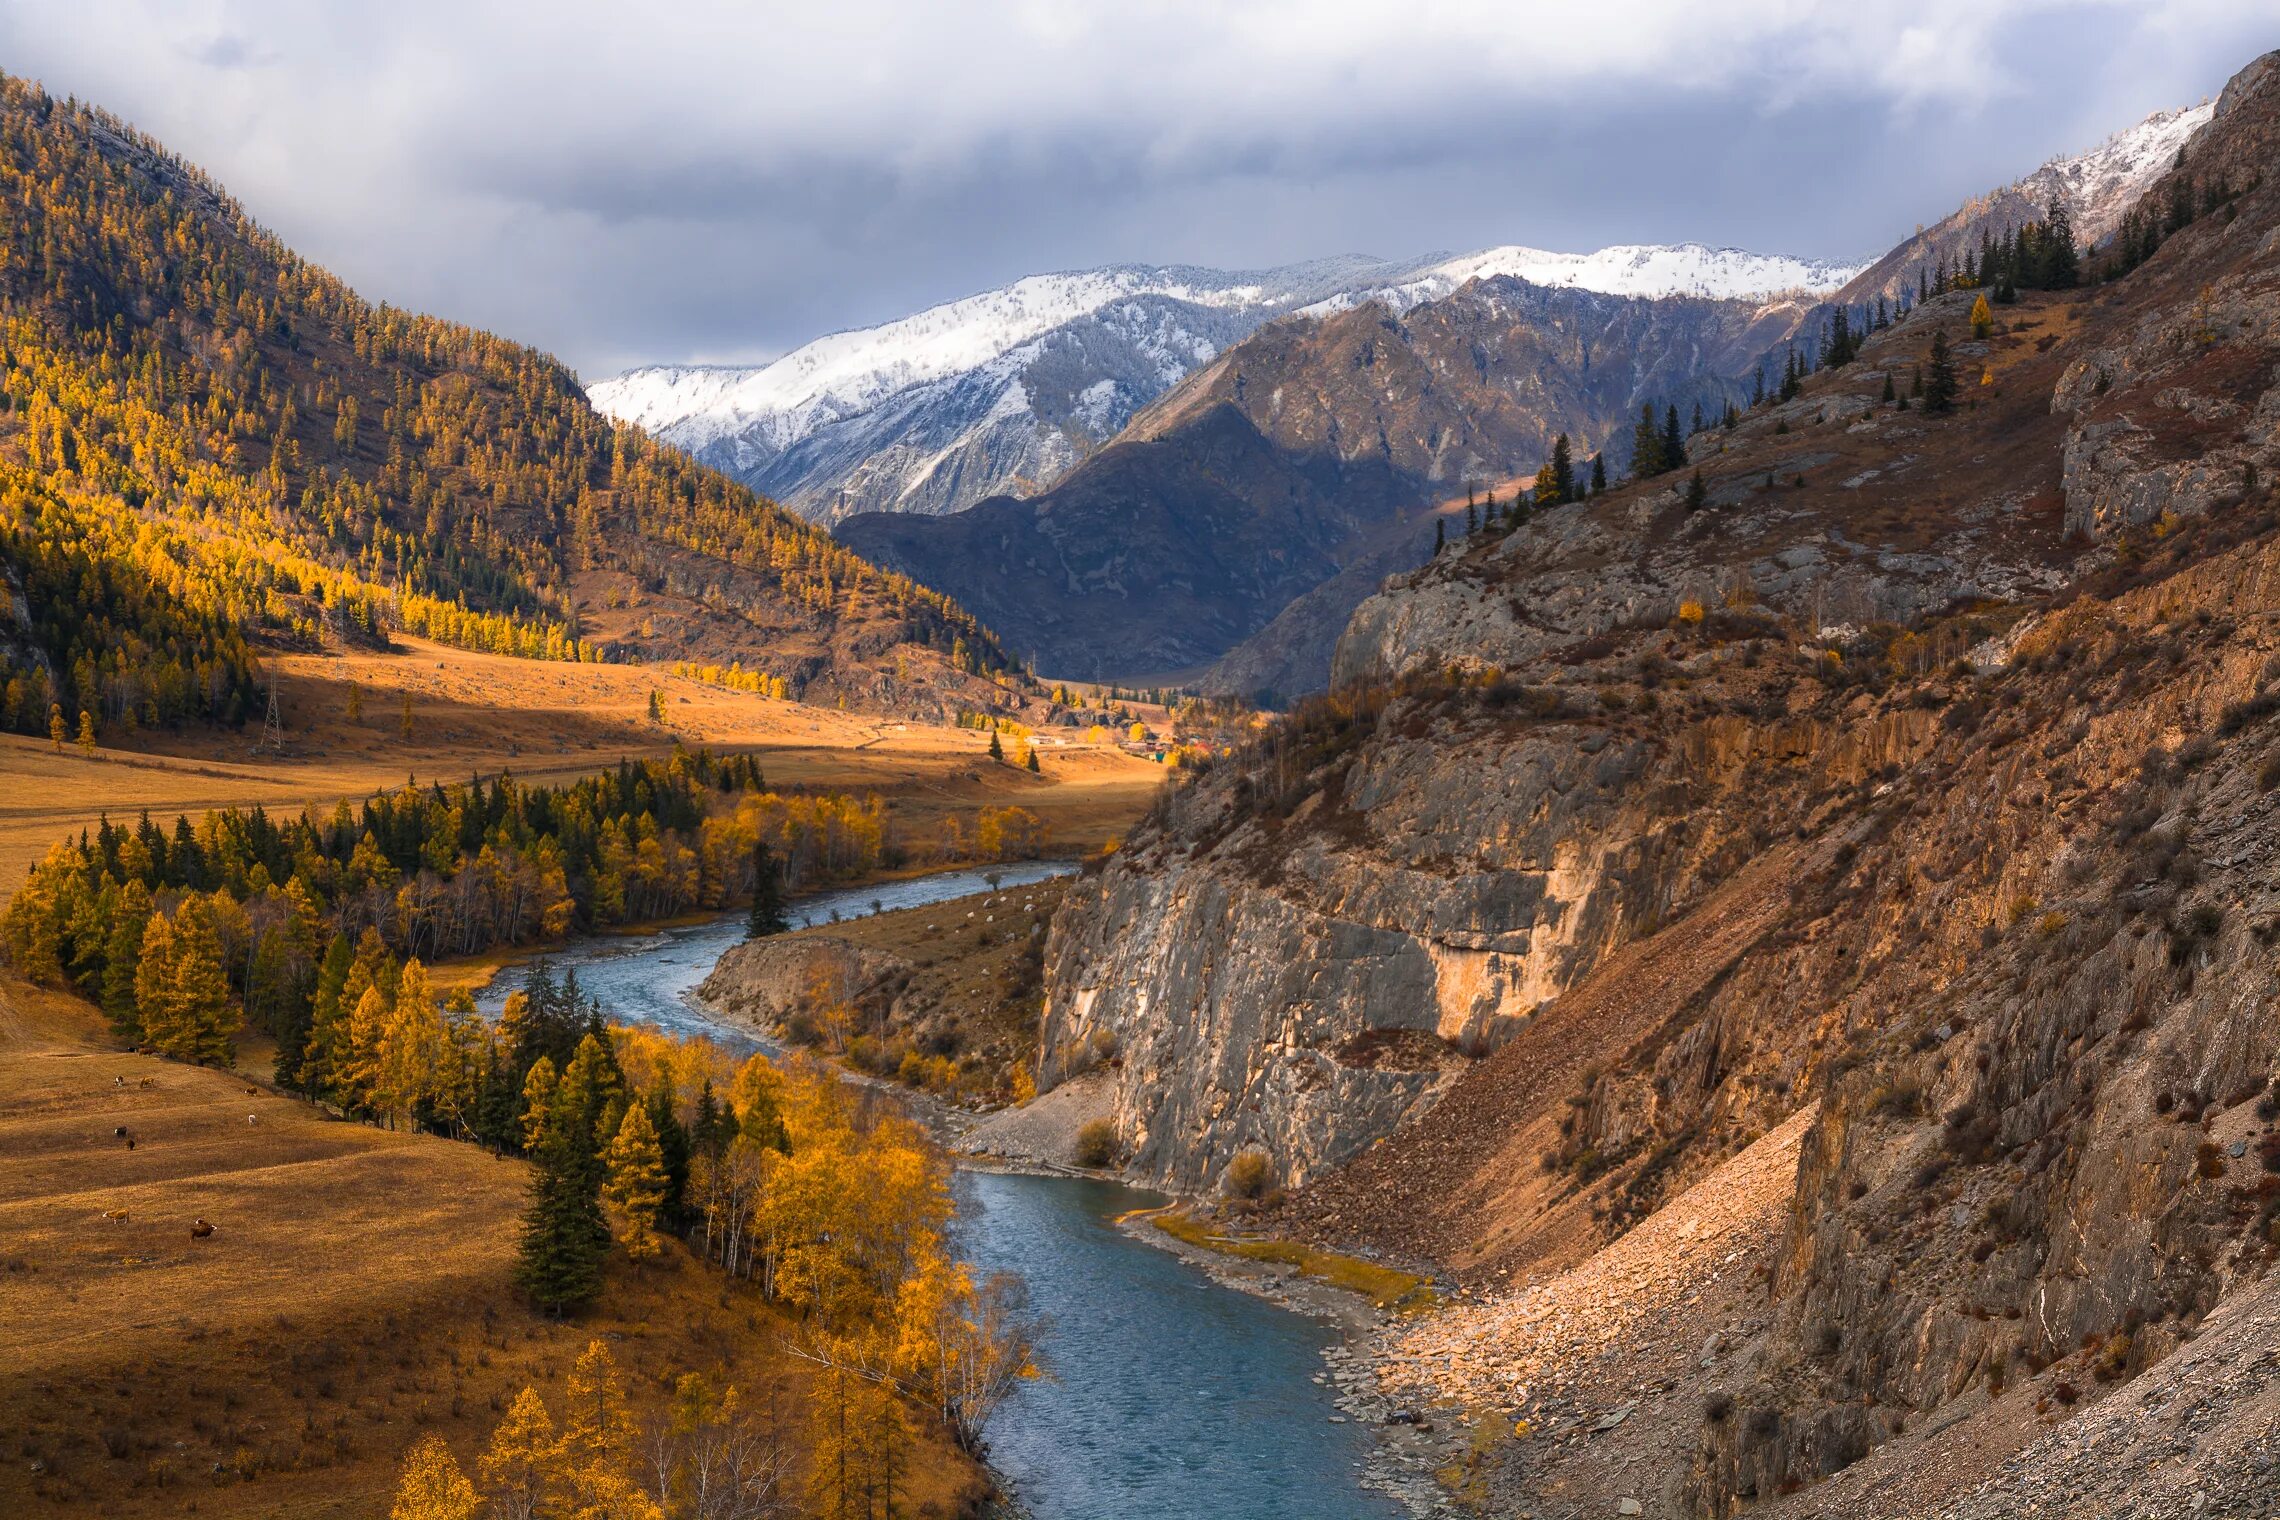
272, 726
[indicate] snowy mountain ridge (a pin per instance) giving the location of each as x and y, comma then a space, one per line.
1007, 389
2103, 183
1651, 270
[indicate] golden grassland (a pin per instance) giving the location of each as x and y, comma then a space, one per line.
355, 1295
543, 720
1401, 1292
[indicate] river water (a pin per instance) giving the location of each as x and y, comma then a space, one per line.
1171, 1397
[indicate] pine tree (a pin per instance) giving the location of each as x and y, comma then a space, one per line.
1697, 494
1563, 467
1598, 473
1440, 542
997, 749
1673, 441
767, 916
1939, 377
1472, 518
1889, 395
1031, 761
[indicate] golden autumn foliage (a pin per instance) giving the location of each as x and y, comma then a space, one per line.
203, 436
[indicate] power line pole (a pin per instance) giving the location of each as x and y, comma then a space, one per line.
272, 727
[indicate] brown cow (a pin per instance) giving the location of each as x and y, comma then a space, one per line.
199, 1229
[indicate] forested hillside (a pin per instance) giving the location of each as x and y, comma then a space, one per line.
205, 439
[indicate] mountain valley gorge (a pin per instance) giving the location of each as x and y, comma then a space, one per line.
1641, 883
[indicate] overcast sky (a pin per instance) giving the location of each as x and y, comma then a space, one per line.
637, 182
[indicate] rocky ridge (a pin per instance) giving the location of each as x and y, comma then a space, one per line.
1935, 790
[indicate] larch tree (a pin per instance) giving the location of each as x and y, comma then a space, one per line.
537, 1099
432, 1486
635, 1163
519, 1465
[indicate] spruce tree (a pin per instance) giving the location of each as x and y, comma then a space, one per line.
1697, 494
767, 916
673, 1151
1031, 761
1646, 446
997, 749
564, 1234
1563, 467
1673, 441
1939, 377
122, 951
2061, 262
1598, 473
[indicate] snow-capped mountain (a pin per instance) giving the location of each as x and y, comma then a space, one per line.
1003, 392
2097, 186
2103, 183
1654, 270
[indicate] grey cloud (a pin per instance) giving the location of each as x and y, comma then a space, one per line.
697, 187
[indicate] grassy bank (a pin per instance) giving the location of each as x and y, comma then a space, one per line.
1397, 1291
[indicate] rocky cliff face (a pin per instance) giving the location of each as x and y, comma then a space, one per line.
1917, 792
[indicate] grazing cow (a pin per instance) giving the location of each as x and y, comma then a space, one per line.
130, 1142
199, 1229
118, 1081
116, 1216
121, 1132
148, 1082
252, 1119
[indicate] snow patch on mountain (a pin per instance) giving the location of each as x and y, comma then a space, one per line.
1660, 270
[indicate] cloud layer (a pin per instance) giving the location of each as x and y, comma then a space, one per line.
727, 180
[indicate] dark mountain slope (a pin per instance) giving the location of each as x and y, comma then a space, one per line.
1280, 466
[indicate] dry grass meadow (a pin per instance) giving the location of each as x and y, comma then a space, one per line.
354, 1295
481, 713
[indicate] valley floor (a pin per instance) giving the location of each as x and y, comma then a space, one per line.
544, 720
